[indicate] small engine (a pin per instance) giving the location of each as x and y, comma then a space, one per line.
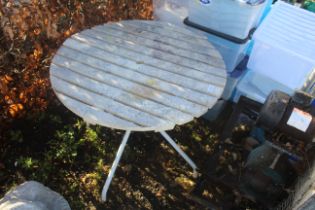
293, 116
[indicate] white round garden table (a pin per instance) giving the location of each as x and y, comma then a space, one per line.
138, 76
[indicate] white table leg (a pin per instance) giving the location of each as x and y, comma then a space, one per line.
115, 164
179, 150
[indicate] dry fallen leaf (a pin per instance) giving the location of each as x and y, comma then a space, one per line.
3, 87
185, 183
37, 31
8, 78
7, 99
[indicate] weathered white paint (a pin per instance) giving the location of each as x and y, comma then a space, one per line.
124, 97
152, 59
189, 43
115, 164
129, 62
174, 28
107, 104
119, 31
138, 75
165, 32
135, 88
198, 94
169, 49
147, 46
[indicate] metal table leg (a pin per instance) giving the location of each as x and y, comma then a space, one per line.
121, 150
115, 164
179, 150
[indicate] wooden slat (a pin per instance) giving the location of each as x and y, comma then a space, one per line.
219, 71
215, 70
185, 81
158, 38
169, 26
143, 44
137, 89
136, 77
124, 97
165, 32
154, 58
137, 57
106, 58
93, 115
137, 65
160, 54
115, 108
117, 31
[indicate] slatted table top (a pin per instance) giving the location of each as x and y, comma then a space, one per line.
138, 75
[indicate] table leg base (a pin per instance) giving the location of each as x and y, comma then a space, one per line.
121, 150
115, 164
180, 151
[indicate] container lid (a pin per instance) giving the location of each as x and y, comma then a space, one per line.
290, 28
253, 2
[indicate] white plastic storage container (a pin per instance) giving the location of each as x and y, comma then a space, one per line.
309, 86
284, 46
233, 78
257, 87
175, 11
231, 52
234, 18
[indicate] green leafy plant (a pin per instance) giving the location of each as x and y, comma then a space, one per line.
27, 163
309, 5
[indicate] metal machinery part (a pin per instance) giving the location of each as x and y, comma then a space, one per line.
293, 116
273, 158
270, 168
